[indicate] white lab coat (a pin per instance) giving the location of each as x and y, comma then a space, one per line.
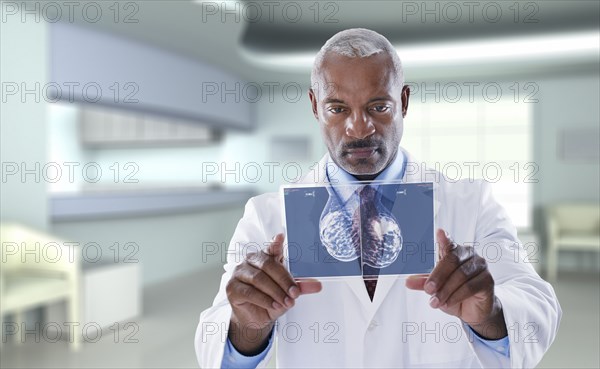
341, 327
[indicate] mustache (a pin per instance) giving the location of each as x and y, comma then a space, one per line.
360, 144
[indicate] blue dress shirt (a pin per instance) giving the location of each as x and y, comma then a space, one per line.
232, 359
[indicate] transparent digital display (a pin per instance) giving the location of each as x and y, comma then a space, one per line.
362, 229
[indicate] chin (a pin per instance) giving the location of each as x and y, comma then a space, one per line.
363, 169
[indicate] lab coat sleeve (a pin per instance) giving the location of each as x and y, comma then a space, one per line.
211, 333
531, 310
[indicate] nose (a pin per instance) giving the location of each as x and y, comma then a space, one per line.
359, 126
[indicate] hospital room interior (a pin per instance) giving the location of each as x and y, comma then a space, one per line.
133, 133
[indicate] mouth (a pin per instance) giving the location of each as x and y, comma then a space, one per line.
361, 153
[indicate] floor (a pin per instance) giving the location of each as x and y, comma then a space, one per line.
166, 330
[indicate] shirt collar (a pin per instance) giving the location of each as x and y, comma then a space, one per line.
340, 179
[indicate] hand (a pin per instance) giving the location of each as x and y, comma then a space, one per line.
260, 291
461, 285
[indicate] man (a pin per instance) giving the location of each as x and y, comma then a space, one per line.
468, 312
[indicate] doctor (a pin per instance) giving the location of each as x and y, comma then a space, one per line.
483, 305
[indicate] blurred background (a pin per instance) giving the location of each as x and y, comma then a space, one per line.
133, 133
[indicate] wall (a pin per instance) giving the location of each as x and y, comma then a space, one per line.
285, 116
23, 128
565, 102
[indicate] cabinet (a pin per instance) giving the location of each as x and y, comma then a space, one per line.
105, 127
110, 293
93, 67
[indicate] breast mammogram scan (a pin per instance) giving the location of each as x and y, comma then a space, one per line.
357, 229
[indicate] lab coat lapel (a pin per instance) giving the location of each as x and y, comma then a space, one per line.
415, 174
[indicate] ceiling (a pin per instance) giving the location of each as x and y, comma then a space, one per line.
240, 36
411, 22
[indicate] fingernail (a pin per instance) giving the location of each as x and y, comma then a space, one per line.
434, 302
277, 305
294, 291
288, 302
430, 287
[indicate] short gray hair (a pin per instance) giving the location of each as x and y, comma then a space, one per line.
357, 43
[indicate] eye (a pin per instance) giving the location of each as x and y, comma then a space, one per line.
336, 109
381, 108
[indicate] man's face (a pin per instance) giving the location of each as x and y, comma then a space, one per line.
360, 107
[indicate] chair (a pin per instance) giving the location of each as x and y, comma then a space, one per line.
34, 275
571, 227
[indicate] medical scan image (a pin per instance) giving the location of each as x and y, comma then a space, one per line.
359, 229
374, 231
338, 228
381, 239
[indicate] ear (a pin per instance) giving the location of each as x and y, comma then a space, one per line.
405, 97
313, 103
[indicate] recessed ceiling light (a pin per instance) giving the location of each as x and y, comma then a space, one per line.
565, 45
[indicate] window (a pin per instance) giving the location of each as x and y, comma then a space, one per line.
479, 139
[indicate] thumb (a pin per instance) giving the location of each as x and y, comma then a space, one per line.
445, 243
308, 286
275, 249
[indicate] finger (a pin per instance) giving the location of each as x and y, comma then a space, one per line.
462, 275
417, 281
277, 272
309, 286
446, 244
260, 280
477, 284
242, 293
445, 267
275, 249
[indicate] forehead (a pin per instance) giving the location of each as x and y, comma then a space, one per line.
347, 78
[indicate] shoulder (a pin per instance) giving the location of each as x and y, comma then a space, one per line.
464, 197
465, 187
267, 199
265, 212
